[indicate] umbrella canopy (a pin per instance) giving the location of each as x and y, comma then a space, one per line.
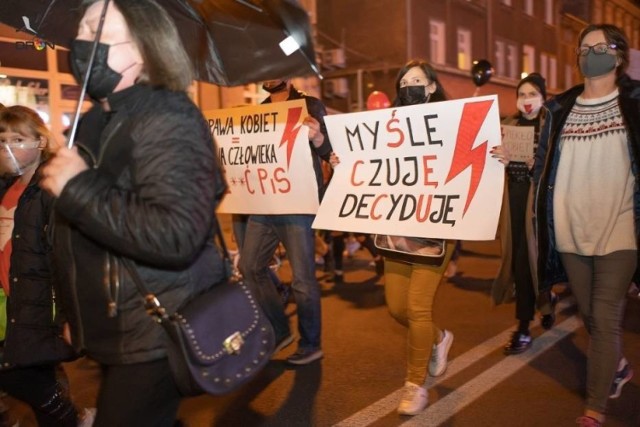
231, 42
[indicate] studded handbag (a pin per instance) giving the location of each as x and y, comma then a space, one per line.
218, 341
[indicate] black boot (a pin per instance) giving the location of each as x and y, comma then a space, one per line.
547, 320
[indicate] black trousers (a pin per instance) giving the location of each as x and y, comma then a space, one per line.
139, 394
525, 292
38, 387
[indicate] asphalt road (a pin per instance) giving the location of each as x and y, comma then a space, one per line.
358, 381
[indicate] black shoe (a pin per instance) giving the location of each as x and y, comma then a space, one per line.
547, 320
338, 277
518, 343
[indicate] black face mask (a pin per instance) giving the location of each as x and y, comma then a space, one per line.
102, 80
412, 95
277, 88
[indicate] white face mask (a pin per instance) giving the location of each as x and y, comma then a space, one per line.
529, 107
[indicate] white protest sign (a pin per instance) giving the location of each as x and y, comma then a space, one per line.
423, 170
518, 142
265, 153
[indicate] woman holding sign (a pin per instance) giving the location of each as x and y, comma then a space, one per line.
520, 139
410, 289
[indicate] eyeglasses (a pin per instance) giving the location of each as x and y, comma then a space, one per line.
598, 49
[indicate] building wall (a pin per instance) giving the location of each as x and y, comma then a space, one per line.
407, 34
371, 31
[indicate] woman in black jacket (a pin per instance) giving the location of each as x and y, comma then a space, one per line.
32, 340
588, 203
144, 193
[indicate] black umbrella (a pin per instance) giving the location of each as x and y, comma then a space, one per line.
231, 42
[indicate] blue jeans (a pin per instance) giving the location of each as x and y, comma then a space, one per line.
239, 224
263, 234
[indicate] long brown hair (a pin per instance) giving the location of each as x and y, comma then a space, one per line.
166, 63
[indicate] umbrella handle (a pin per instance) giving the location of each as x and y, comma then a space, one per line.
85, 82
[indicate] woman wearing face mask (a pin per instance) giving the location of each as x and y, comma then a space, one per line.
32, 346
139, 190
587, 203
515, 266
410, 289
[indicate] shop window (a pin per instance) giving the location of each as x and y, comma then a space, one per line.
13, 55
63, 61
32, 93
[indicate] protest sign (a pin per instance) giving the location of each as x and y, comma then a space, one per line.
265, 153
518, 142
423, 170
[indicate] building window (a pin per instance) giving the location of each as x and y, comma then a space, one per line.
552, 76
528, 7
27, 91
544, 64
500, 57
464, 49
437, 44
528, 59
548, 12
512, 60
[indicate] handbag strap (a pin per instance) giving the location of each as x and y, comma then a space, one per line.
151, 303
223, 245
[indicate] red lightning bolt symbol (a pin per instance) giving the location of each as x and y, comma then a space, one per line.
473, 115
291, 131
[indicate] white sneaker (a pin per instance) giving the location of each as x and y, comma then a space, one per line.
414, 399
87, 417
439, 353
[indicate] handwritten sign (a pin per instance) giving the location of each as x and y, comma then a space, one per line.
422, 170
265, 153
518, 141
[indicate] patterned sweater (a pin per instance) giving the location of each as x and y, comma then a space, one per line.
594, 170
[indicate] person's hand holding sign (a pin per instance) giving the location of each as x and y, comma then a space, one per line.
334, 160
315, 136
500, 152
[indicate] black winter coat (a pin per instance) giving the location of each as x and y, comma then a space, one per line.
550, 269
33, 336
149, 196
